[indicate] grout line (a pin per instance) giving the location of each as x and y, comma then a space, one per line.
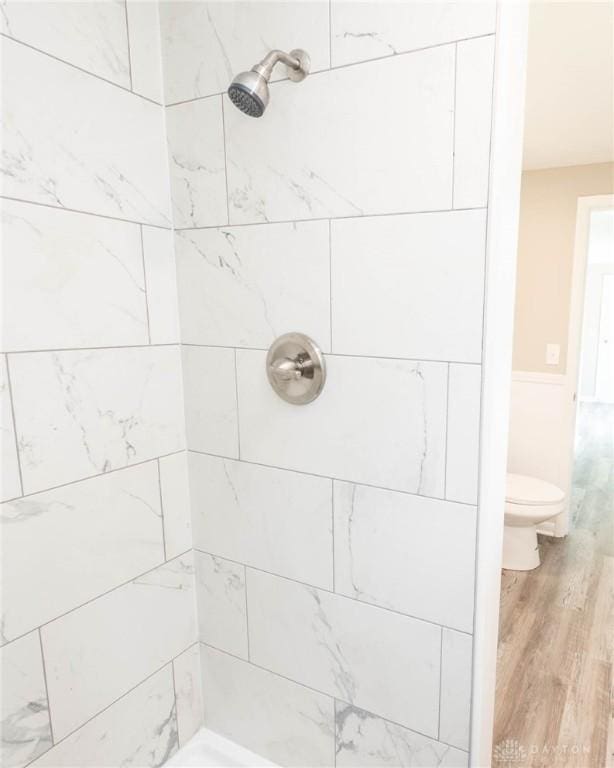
83, 213
330, 283
128, 41
445, 463
119, 698
10, 393
269, 222
332, 509
328, 695
161, 510
340, 596
330, 34
97, 597
237, 409
145, 284
93, 477
454, 123
440, 684
329, 477
40, 641
90, 349
362, 62
326, 354
225, 160
175, 707
246, 611
80, 69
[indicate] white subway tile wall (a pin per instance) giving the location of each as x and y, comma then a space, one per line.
98, 580
335, 557
356, 213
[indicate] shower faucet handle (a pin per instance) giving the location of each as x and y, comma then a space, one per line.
295, 368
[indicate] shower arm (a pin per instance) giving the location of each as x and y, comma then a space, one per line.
265, 67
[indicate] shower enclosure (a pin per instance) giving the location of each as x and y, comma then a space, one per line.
181, 546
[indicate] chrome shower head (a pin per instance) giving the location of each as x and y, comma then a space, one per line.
249, 91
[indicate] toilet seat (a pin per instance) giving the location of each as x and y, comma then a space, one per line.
531, 491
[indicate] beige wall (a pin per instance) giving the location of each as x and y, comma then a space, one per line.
545, 256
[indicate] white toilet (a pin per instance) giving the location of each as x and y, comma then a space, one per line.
528, 502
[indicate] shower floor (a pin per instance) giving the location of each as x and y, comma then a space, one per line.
209, 750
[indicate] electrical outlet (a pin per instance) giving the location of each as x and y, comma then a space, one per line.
553, 353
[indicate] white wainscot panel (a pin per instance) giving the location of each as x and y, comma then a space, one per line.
70, 280
463, 433
474, 78
206, 44
272, 519
189, 695
97, 653
409, 286
367, 741
73, 141
161, 276
79, 541
370, 29
345, 143
455, 688
196, 160
140, 729
24, 711
210, 400
82, 413
347, 649
175, 491
380, 422
10, 482
389, 550
145, 53
276, 718
220, 588
245, 286
90, 35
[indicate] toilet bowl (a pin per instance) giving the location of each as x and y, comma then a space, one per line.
528, 502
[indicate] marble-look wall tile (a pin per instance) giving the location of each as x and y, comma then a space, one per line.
26, 731
79, 540
96, 654
220, 590
175, 493
245, 286
463, 450
367, 741
370, 29
474, 79
65, 146
389, 550
205, 44
196, 160
188, 689
409, 286
70, 280
10, 484
377, 421
367, 656
82, 413
90, 35
161, 277
145, 49
137, 730
455, 688
276, 718
300, 161
272, 519
210, 400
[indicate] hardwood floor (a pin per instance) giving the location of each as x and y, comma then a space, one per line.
555, 696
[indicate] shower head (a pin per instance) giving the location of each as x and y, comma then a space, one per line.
249, 91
